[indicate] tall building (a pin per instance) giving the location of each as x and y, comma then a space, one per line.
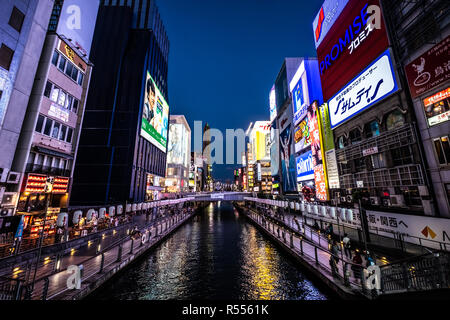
378, 148
420, 34
282, 119
196, 172
178, 155
48, 143
123, 144
23, 28
259, 157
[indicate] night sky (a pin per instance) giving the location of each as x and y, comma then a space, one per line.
226, 54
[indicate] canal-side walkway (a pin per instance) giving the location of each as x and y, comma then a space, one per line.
312, 254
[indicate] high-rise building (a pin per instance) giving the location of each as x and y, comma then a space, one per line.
123, 144
178, 155
48, 143
23, 28
420, 35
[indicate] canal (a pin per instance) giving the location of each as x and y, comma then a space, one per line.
216, 256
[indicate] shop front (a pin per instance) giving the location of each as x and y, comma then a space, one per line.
154, 189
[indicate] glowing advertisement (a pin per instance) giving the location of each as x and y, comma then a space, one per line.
357, 37
373, 84
437, 107
274, 153
298, 97
178, 145
328, 13
260, 140
317, 154
155, 118
329, 148
305, 169
273, 104
77, 22
287, 161
302, 137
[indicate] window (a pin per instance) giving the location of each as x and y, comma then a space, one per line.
55, 94
16, 19
355, 136
48, 127
69, 102
62, 133
437, 107
62, 64
80, 79
74, 74
55, 58
75, 105
442, 146
69, 69
402, 156
40, 123
48, 161
31, 158
48, 89
6, 55
62, 98
372, 129
377, 161
447, 188
342, 142
69, 135
55, 131
394, 120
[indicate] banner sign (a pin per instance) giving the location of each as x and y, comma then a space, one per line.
305, 169
373, 84
430, 69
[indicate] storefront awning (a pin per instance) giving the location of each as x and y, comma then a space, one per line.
53, 153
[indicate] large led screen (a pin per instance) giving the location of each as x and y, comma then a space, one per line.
155, 118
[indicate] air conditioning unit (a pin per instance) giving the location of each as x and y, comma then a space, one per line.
397, 201
13, 177
3, 174
375, 201
9, 198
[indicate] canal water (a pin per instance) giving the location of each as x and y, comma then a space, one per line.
216, 256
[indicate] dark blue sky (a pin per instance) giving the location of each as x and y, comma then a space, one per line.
225, 56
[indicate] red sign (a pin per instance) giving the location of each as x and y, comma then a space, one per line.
430, 69
36, 183
351, 45
444, 94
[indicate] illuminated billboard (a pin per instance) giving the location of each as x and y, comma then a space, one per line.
373, 84
328, 13
260, 140
356, 38
273, 104
155, 118
305, 169
437, 107
77, 22
178, 149
302, 137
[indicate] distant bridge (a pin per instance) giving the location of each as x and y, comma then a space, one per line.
219, 196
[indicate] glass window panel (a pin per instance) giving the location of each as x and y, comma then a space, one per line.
48, 89
69, 101
55, 130
39, 124
75, 105
74, 74
62, 63
55, 94
62, 133
439, 151
31, 158
80, 79
62, 98
69, 69
446, 148
48, 126
48, 161
55, 58
69, 135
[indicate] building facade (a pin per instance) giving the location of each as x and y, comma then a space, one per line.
123, 143
420, 34
23, 29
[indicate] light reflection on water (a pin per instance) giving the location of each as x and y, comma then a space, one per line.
217, 256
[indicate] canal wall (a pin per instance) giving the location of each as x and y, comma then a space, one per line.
311, 264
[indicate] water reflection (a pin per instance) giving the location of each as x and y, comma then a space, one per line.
214, 257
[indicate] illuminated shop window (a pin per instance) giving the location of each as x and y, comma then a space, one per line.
395, 119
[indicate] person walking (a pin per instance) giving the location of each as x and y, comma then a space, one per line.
334, 258
357, 265
347, 246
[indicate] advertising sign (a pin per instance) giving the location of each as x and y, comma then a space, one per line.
302, 136
299, 90
58, 113
260, 140
178, 145
356, 38
155, 118
77, 22
437, 107
305, 169
274, 154
329, 150
329, 12
273, 104
332, 169
287, 160
317, 155
430, 69
373, 84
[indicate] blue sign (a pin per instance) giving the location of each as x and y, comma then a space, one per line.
305, 168
372, 85
327, 16
300, 107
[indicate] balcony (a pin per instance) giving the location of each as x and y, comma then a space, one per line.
386, 141
41, 169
